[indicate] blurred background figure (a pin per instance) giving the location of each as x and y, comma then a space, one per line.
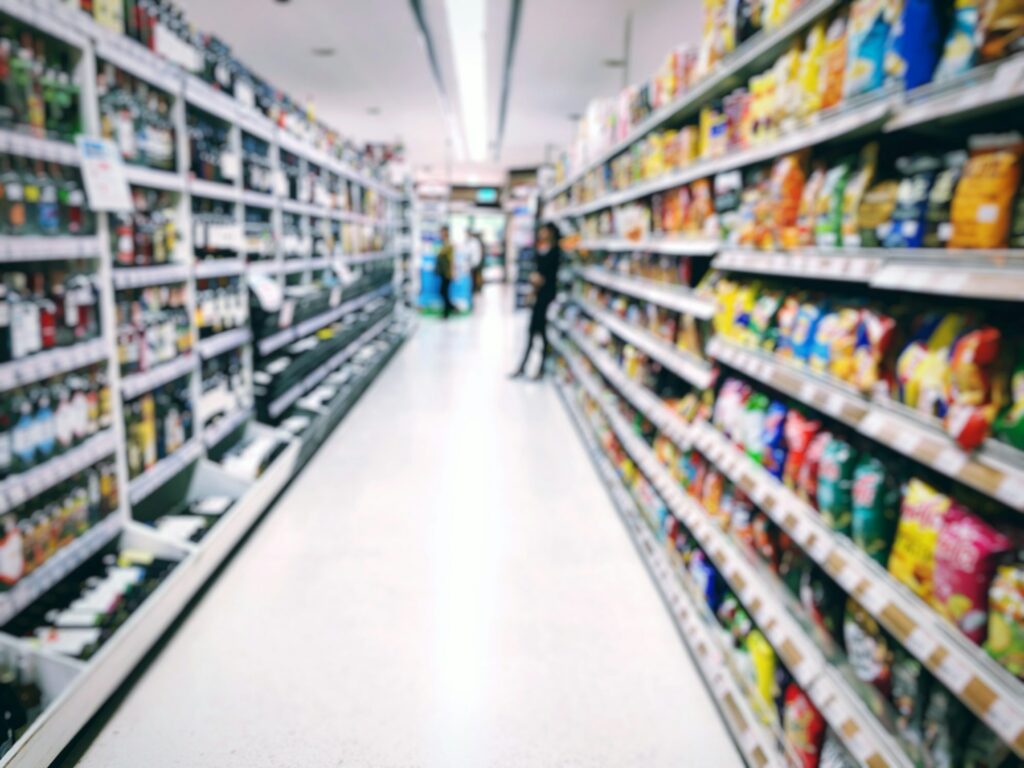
545, 287
445, 265
476, 250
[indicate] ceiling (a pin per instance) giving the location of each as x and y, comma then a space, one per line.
378, 84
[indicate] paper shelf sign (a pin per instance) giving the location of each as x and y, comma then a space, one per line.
106, 184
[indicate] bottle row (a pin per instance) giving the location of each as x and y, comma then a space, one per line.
40, 198
157, 424
153, 327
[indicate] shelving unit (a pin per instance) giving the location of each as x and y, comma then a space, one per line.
373, 211
988, 481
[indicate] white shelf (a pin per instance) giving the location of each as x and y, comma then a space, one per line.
669, 246
153, 478
214, 268
757, 742
676, 298
848, 717
841, 123
126, 278
996, 275
152, 178
290, 266
137, 384
213, 190
39, 248
17, 489
301, 209
54, 362
285, 401
984, 470
722, 78
59, 565
47, 150
282, 338
994, 694
697, 372
214, 434
200, 94
363, 258
224, 342
258, 199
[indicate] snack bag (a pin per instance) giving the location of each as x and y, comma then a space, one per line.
762, 316
970, 407
1002, 28
807, 212
708, 582
799, 430
803, 725
1005, 640
961, 50
840, 361
867, 37
1009, 427
786, 187
912, 201
751, 19
823, 600
867, 648
755, 412
785, 321
966, 555
922, 514
776, 12
923, 370
874, 336
762, 658
703, 209
876, 499
835, 482
909, 692
875, 215
982, 204
829, 206
914, 45
810, 75
807, 477
834, 62
773, 454
938, 225
804, 329
853, 195
821, 345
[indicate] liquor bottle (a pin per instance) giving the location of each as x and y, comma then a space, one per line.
16, 217
45, 424
47, 313
133, 423
48, 210
6, 447
23, 433
64, 417
148, 430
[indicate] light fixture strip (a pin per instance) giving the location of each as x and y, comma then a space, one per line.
466, 28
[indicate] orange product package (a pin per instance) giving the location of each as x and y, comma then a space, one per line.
982, 207
702, 207
806, 216
834, 63
786, 188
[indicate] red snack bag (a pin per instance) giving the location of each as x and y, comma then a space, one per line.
799, 431
966, 555
807, 478
803, 725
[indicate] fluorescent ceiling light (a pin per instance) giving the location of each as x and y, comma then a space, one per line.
466, 21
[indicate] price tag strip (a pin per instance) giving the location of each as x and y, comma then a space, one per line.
677, 299
30, 248
213, 190
126, 278
799, 652
55, 362
149, 481
895, 430
696, 371
140, 383
20, 488
224, 342
852, 267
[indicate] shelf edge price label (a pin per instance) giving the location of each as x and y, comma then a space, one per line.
103, 173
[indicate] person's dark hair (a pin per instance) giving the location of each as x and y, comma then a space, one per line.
553, 232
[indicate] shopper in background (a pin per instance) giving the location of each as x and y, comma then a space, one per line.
445, 264
476, 249
545, 288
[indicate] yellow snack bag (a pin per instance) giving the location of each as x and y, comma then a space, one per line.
912, 559
809, 75
982, 204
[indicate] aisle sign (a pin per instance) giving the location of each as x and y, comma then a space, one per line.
106, 184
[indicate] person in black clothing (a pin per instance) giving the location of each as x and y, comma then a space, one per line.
545, 286
444, 269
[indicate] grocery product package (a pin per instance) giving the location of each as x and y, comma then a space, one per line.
908, 217
982, 205
1005, 640
922, 514
803, 726
867, 38
915, 43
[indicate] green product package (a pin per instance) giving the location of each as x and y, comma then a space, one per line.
829, 208
835, 483
875, 509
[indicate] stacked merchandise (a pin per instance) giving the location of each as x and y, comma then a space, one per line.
130, 379
835, 467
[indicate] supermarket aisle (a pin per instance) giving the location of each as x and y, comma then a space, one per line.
445, 585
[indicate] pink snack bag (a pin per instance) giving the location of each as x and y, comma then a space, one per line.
966, 556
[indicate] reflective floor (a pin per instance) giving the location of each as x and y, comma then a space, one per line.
447, 584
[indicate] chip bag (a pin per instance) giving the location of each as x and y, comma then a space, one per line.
834, 62
908, 217
829, 206
914, 45
960, 52
853, 195
1005, 640
1002, 28
875, 216
982, 204
803, 725
807, 477
967, 552
938, 225
835, 482
799, 430
970, 407
867, 36
867, 648
876, 499
922, 514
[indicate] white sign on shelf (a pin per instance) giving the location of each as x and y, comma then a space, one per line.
106, 184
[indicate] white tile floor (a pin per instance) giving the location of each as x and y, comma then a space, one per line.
446, 585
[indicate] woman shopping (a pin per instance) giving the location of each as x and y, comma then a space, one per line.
545, 287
